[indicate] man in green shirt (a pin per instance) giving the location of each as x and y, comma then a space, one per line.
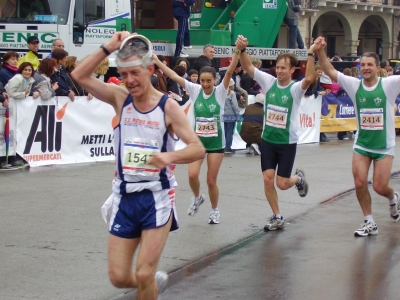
279, 136
373, 98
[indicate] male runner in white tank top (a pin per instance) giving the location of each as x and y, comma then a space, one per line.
141, 209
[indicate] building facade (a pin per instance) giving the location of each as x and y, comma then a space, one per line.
353, 27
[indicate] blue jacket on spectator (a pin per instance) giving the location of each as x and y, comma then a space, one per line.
61, 78
181, 8
6, 74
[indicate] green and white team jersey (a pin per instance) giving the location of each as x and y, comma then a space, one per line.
374, 107
208, 115
281, 117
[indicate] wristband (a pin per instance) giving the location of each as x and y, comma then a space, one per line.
241, 51
310, 54
105, 50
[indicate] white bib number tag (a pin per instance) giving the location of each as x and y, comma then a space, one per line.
276, 116
371, 118
206, 127
137, 153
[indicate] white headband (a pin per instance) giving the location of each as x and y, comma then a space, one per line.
134, 63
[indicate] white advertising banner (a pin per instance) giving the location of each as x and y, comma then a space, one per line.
59, 131
309, 120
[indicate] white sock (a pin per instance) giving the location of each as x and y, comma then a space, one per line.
394, 200
369, 218
278, 216
300, 179
198, 198
215, 209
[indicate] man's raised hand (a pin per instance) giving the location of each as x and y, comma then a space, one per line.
116, 40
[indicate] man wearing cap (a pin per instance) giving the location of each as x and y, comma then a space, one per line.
141, 210
32, 56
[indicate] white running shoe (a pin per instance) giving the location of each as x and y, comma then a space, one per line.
183, 55
395, 209
249, 150
214, 216
368, 228
187, 47
161, 281
194, 207
274, 223
302, 187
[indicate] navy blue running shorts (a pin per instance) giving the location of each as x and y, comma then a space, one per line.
143, 210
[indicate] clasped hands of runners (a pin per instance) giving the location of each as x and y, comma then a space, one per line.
241, 42
319, 44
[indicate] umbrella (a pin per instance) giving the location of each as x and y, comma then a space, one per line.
7, 133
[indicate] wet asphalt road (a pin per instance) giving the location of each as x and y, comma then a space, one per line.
315, 257
53, 241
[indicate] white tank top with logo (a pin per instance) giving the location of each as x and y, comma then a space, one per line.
138, 136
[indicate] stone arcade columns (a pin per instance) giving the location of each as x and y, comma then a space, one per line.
351, 47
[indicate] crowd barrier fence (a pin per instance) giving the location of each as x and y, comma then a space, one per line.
58, 131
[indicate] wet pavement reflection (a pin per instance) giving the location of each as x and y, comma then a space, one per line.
315, 257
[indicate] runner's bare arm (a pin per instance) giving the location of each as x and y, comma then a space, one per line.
310, 75
325, 63
241, 43
229, 71
99, 89
176, 118
170, 73
83, 73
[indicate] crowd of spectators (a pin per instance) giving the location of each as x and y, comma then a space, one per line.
28, 76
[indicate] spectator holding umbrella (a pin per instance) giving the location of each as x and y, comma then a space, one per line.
4, 97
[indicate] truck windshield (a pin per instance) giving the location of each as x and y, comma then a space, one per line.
34, 11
